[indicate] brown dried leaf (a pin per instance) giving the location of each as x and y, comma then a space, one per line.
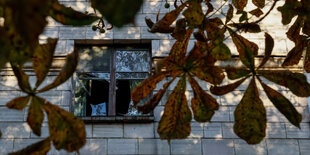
147, 86
294, 55
42, 59
294, 31
19, 103
163, 25
222, 90
66, 72
283, 105
154, 100
257, 12
259, 3
211, 74
306, 28
175, 122
247, 27
289, 10
307, 59
230, 13
236, 73
35, 114
66, 131
39, 148
250, 116
269, 43
179, 32
203, 104
296, 82
22, 78
240, 4
247, 49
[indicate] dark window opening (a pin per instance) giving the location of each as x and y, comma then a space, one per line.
99, 96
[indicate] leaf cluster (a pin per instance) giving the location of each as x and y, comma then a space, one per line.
209, 32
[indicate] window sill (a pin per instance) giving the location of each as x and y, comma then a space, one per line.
119, 119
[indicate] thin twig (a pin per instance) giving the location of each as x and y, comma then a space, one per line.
273, 5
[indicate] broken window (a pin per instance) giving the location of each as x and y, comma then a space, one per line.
105, 78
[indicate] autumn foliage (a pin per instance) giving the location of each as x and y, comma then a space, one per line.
20, 44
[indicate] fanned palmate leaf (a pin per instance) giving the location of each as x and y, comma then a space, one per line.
250, 116
246, 49
222, 90
66, 131
221, 52
296, 82
42, 59
22, 78
154, 100
35, 114
269, 43
283, 105
66, 72
147, 86
203, 104
119, 12
240, 4
39, 148
18, 103
175, 122
68, 16
236, 73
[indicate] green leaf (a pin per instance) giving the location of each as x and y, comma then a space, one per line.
289, 10
35, 114
250, 116
147, 86
230, 13
256, 12
175, 122
119, 12
240, 4
154, 100
194, 14
222, 90
41, 147
283, 105
247, 49
18, 103
203, 104
269, 43
243, 17
259, 3
211, 74
236, 73
68, 16
42, 59
66, 72
66, 131
221, 52
296, 82
22, 78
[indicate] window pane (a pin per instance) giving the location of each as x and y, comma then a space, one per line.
81, 90
131, 75
132, 61
94, 59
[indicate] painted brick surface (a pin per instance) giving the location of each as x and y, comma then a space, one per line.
122, 146
214, 146
188, 146
153, 146
108, 130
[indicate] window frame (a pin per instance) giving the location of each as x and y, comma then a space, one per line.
111, 105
